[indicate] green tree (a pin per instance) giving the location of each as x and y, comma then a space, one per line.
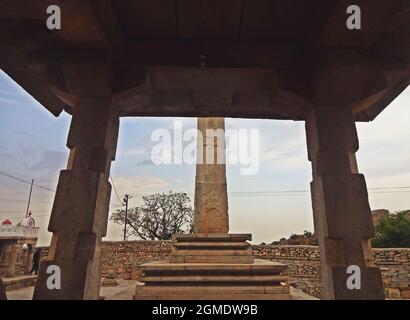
393, 231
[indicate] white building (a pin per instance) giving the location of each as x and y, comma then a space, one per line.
12, 239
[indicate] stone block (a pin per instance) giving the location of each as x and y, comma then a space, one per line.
135, 274
109, 282
393, 293
405, 293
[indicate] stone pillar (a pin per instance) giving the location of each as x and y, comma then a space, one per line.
3, 295
29, 259
342, 215
211, 199
80, 211
5, 251
15, 251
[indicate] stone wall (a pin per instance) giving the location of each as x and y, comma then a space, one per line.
122, 259
303, 264
303, 267
21, 259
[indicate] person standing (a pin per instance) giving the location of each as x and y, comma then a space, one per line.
36, 261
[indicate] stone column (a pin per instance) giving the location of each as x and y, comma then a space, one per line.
3, 295
80, 211
211, 199
29, 259
15, 251
5, 251
342, 215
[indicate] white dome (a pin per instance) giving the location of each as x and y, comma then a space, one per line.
27, 222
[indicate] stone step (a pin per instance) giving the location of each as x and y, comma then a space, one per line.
211, 259
260, 280
20, 281
212, 252
212, 237
258, 267
214, 278
164, 289
214, 296
208, 244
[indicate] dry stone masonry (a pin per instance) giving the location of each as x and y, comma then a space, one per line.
122, 260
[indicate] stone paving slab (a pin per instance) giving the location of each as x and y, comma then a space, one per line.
125, 290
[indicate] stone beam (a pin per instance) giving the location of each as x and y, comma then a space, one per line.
318, 23
208, 92
376, 16
342, 215
349, 75
85, 23
96, 24
215, 53
80, 211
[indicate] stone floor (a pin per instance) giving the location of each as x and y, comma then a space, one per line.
124, 291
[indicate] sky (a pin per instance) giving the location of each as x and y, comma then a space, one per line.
33, 146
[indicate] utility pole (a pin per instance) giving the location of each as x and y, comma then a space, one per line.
29, 197
126, 198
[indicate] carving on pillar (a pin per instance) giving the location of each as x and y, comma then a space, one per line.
80, 211
342, 215
211, 199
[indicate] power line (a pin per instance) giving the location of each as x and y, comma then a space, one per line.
235, 194
20, 211
21, 200
25, 181
48, 189
23, 216
275, 192
49, 202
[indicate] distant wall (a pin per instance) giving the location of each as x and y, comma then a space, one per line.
303, 267
21, 260
303, 264
122, 259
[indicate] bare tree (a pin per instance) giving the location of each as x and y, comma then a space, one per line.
159, 217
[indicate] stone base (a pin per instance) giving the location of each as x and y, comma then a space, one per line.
211, 248
212, 267
260, 280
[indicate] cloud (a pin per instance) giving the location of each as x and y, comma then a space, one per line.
6, 100
24, 134
50, 160
7, 155
144, 163
140, 185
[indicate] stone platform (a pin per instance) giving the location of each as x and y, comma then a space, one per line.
212, 267
20, 281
